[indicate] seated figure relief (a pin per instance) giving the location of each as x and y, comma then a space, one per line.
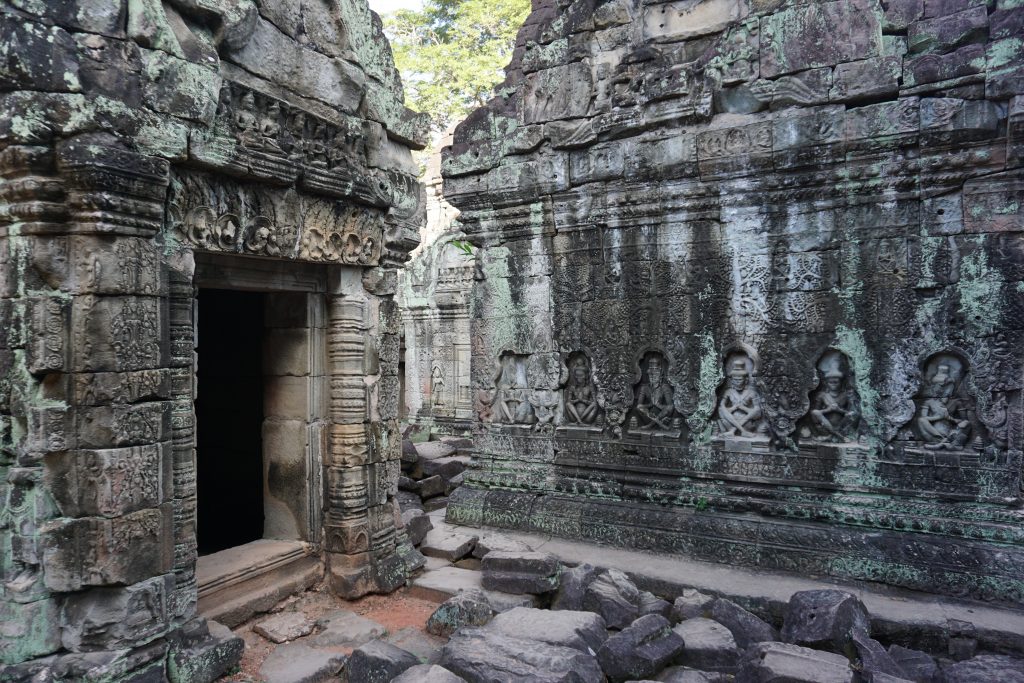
511, 399
654, 409
739, 408
580, 397
943, 419
835, 406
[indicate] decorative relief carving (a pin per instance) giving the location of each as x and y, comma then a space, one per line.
654, 408
946, 416
135, 334
218, 215
511, 403
835, 406
740, 407
580, 405
257, 136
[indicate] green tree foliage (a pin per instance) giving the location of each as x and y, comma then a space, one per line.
452, 53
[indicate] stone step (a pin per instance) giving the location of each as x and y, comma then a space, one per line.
238, 583
440, 584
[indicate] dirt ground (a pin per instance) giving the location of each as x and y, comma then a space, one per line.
394, 612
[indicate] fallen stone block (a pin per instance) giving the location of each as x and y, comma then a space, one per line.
874, 659
431, 487
917, 665
284, 626
985, 669
407, 484
426, 648
684, 674
491, 542
409, 453
640, 650
583, 631
444, 582
447, 545
709, 645
614, 596
572, 585
470, 608
436, 503
205, 652
378, 662
793, 664
745, 627
343, 628
824, 619
300, 663
447, 468
518, 572
482, 655
428, 673
652, 604
417, 524
692, 603
407, 500
431, 450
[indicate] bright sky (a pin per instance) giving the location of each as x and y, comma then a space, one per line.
382, 7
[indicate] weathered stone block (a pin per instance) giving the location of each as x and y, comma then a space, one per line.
745, 627
520, 572
377, 662
203, 653
944, 34
334, 81
108, 618
823, 618
478, 654
788, 43
572, 587
28, 630
782, 661
614, 596
708, 645
110, 482
692, 603
640, 650
583, 631
38, 57
674, 21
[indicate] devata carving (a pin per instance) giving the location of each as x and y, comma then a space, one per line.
654, 410
740, 411
835, 406
511, 403
580, 397
945, 415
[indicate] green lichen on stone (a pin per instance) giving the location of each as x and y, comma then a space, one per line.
980, 291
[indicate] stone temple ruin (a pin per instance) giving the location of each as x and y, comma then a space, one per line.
204, 205
746, 288
752, 295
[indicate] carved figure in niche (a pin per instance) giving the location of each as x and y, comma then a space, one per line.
246, 126
436, 385
510, 399
654, 409
270, 128
318, 145
835, 407
580, 397
739, 408
943, 418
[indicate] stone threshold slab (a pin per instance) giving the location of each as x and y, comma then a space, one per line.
896, 615
220, 570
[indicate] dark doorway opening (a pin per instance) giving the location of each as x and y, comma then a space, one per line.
229, 417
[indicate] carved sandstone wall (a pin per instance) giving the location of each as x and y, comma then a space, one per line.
752, 285
137, 138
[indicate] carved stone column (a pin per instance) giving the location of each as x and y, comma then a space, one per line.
359, 520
